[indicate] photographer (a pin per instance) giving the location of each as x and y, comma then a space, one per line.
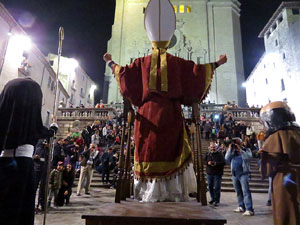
239, 159
215, 163
86, 171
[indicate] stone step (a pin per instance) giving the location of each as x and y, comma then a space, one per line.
252, 184
253, 190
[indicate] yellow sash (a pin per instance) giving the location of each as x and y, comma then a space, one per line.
159, 50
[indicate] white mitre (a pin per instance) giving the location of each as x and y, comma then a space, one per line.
160, 25
160, 20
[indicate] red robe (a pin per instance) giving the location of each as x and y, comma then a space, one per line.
162, 147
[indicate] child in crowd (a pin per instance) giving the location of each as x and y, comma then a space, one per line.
55, 183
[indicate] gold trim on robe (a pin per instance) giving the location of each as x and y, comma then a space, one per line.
165, 169
209, 74
116, 72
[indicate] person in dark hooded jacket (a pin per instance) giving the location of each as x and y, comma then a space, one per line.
21, 128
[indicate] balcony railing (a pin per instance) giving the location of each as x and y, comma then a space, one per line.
86, 113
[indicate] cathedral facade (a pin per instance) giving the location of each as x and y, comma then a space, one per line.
205, 29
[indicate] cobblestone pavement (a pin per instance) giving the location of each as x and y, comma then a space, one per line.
87, 204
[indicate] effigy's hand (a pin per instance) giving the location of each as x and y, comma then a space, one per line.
222, 59
107, 57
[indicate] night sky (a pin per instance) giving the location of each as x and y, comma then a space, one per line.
87, 25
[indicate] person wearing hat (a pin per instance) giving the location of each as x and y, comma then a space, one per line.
158, 84
281, 161
238, 157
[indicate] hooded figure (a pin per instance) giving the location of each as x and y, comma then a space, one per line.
281, 161
158, 84
21, 127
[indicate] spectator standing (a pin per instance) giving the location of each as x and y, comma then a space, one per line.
55, 183
207, 129
86, 170
214, 169
58, 153
107, 163
239, 159
96, 138
40, 159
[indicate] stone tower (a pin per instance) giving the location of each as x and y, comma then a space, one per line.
204, 30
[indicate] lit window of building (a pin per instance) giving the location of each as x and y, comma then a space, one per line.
175, 8
189, 9
181, 9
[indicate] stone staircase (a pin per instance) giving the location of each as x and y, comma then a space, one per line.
257, 185
96, 180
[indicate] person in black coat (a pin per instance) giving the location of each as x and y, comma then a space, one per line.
107, 163
21, 128
58, 153
65, 191
215, 163
40, 159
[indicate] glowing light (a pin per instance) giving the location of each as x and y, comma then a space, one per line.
20, 42
72, 64
244, 84
16, 47
93, 88
217, 117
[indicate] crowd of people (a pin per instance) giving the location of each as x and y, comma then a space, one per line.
233, 143
96, 147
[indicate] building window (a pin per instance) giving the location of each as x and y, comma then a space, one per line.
283, 56
81, 90
51, 62
82, 78
198, 60
89, 96
282, 85
71, 98
274, 26
295, 11
264, 65
49, 81
131, 60
52, 86
189, 9
63, 99
280, 19
181, 9
175, 9
276, 42
80, 102
266, 80
73, 84
268, 34
284, 100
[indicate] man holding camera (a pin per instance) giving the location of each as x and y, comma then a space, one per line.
239, 159
86, 170
214, 170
